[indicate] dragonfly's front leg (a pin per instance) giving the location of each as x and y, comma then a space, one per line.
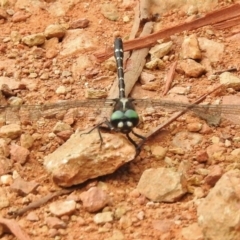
99, 127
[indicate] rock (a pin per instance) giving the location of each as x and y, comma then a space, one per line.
33, 75
60, 208
5, 165
212, 50
6, 179
109, 11
94, 199
81, 63
54, 222
52, 47
44, 76
192, 232
190, 48
140, 215
152, 86
61, 90
22, 187
4, 202
179, 90
218, 214
160, 50
32, 217
230, 80
59, 8
110, 64
3, 14
4, 148
63, 130
177, 150
34, 39
163, 7
154, 64
60, 126
162, 185
6, 91
91, 72
119, 212
20, 16
117, 235
191, 68
126, 19
146, 77
26, 140
199, 192
125, 222
186, 140
162, 226
215, 174
15, 37
104, 217
194, 127
159, 152
11, 83
10, 131
236, 152
216, 152
67, 162
202, 156
95, 93
77, 41
80, 23
192, 10
19, 154
55, 30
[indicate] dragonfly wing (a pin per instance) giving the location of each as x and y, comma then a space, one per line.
26, 113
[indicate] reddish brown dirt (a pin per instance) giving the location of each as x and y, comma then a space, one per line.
121, 183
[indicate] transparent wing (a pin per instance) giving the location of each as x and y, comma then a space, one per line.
13, 114
210, 112
211, 108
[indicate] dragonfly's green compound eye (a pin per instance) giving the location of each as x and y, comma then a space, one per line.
117, 115
131, 114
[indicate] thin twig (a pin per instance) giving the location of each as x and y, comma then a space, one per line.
211, 18
233, 69
42, 201
144, 10
170, 77
177, 115
15, 229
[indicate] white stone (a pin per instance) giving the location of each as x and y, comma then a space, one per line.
160, 50
218, 213
104, 217
6, 179
61, 90
230, 80
162, 185
61, 208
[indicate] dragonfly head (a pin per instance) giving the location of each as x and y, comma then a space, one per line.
124, 121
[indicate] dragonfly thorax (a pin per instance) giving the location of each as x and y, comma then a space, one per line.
124, 117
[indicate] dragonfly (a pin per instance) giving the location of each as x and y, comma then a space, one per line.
123, 117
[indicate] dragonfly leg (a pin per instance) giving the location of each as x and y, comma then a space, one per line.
138, 146
139, 136
99, 127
